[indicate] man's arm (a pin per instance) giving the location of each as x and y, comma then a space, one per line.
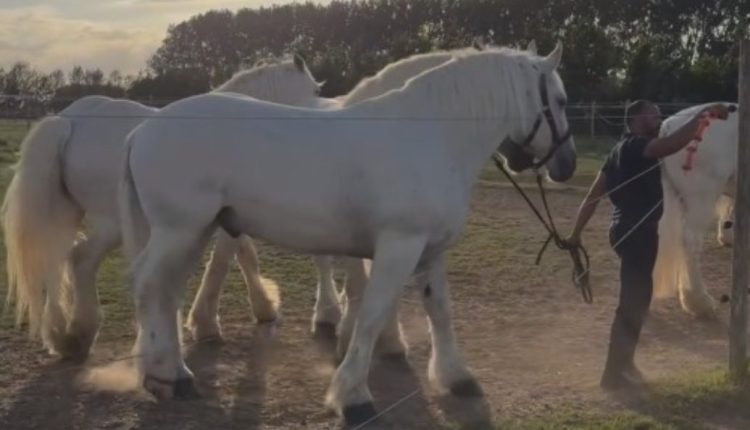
596, 192
668, 145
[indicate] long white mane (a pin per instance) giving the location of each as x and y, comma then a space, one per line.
481, 97
394, 75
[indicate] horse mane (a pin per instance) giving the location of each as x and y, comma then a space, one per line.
394, 75
445, 91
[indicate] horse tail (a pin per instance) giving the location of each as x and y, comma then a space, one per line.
135, 228
670, 270
40, 222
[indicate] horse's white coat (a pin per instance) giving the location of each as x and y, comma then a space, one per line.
690, 202
388, 179
67, 178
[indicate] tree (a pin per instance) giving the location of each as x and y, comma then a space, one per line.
76, 76
115, 78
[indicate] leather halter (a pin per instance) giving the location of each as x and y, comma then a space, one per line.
546, 114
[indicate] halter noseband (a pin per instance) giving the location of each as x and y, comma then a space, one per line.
546, 114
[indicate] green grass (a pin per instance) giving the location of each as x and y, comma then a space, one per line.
687, 402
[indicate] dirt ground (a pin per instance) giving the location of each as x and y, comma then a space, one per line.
532, 343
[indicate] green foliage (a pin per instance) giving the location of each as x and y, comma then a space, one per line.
615, 49
678, 51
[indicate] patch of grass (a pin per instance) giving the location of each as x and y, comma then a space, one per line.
686, 402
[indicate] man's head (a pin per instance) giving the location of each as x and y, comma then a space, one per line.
643, 118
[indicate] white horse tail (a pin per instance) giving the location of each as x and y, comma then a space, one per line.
135, 228
670, 269
41, 222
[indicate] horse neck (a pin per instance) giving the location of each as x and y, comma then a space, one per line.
393, 77
261, 87
472, 121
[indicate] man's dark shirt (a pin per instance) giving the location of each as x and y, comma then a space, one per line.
633, 201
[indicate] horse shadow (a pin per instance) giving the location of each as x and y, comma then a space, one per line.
701, 338
55, 384
211, 362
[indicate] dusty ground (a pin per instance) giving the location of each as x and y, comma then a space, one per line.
525, 331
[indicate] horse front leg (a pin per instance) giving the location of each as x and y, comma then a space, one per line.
446, 369
395, 260
391, 344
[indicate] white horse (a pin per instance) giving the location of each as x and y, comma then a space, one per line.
387, 179
80, 154
691, 200
66, 181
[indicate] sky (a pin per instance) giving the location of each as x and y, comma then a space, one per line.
109, 34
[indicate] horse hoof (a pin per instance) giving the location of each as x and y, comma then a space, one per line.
466, 388
184, 389
160, 388
324, 330
359, 414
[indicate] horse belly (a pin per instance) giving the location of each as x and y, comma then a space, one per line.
310, 223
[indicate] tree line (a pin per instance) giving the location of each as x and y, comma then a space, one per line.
667, 51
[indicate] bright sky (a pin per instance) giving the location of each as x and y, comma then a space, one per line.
109, 34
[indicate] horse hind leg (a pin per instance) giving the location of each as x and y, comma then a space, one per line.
84, 262
327, 313
203, 318
263, 294
161, 273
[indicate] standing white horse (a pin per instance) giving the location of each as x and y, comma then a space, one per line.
80, 153
388, 179
691, 198
67, 179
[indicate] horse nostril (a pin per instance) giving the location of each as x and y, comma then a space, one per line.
728, 224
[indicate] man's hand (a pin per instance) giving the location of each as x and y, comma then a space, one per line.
718, 110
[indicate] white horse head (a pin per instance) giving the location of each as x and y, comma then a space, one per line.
288, 81
544, 139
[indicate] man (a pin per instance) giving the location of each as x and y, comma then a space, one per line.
631, 177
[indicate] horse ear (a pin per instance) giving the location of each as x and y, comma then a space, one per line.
532, 47
299, 62
478, 44
553, 59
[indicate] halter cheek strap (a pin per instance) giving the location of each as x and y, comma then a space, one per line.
557, 139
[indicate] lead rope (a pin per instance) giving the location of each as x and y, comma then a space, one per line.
577, 252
